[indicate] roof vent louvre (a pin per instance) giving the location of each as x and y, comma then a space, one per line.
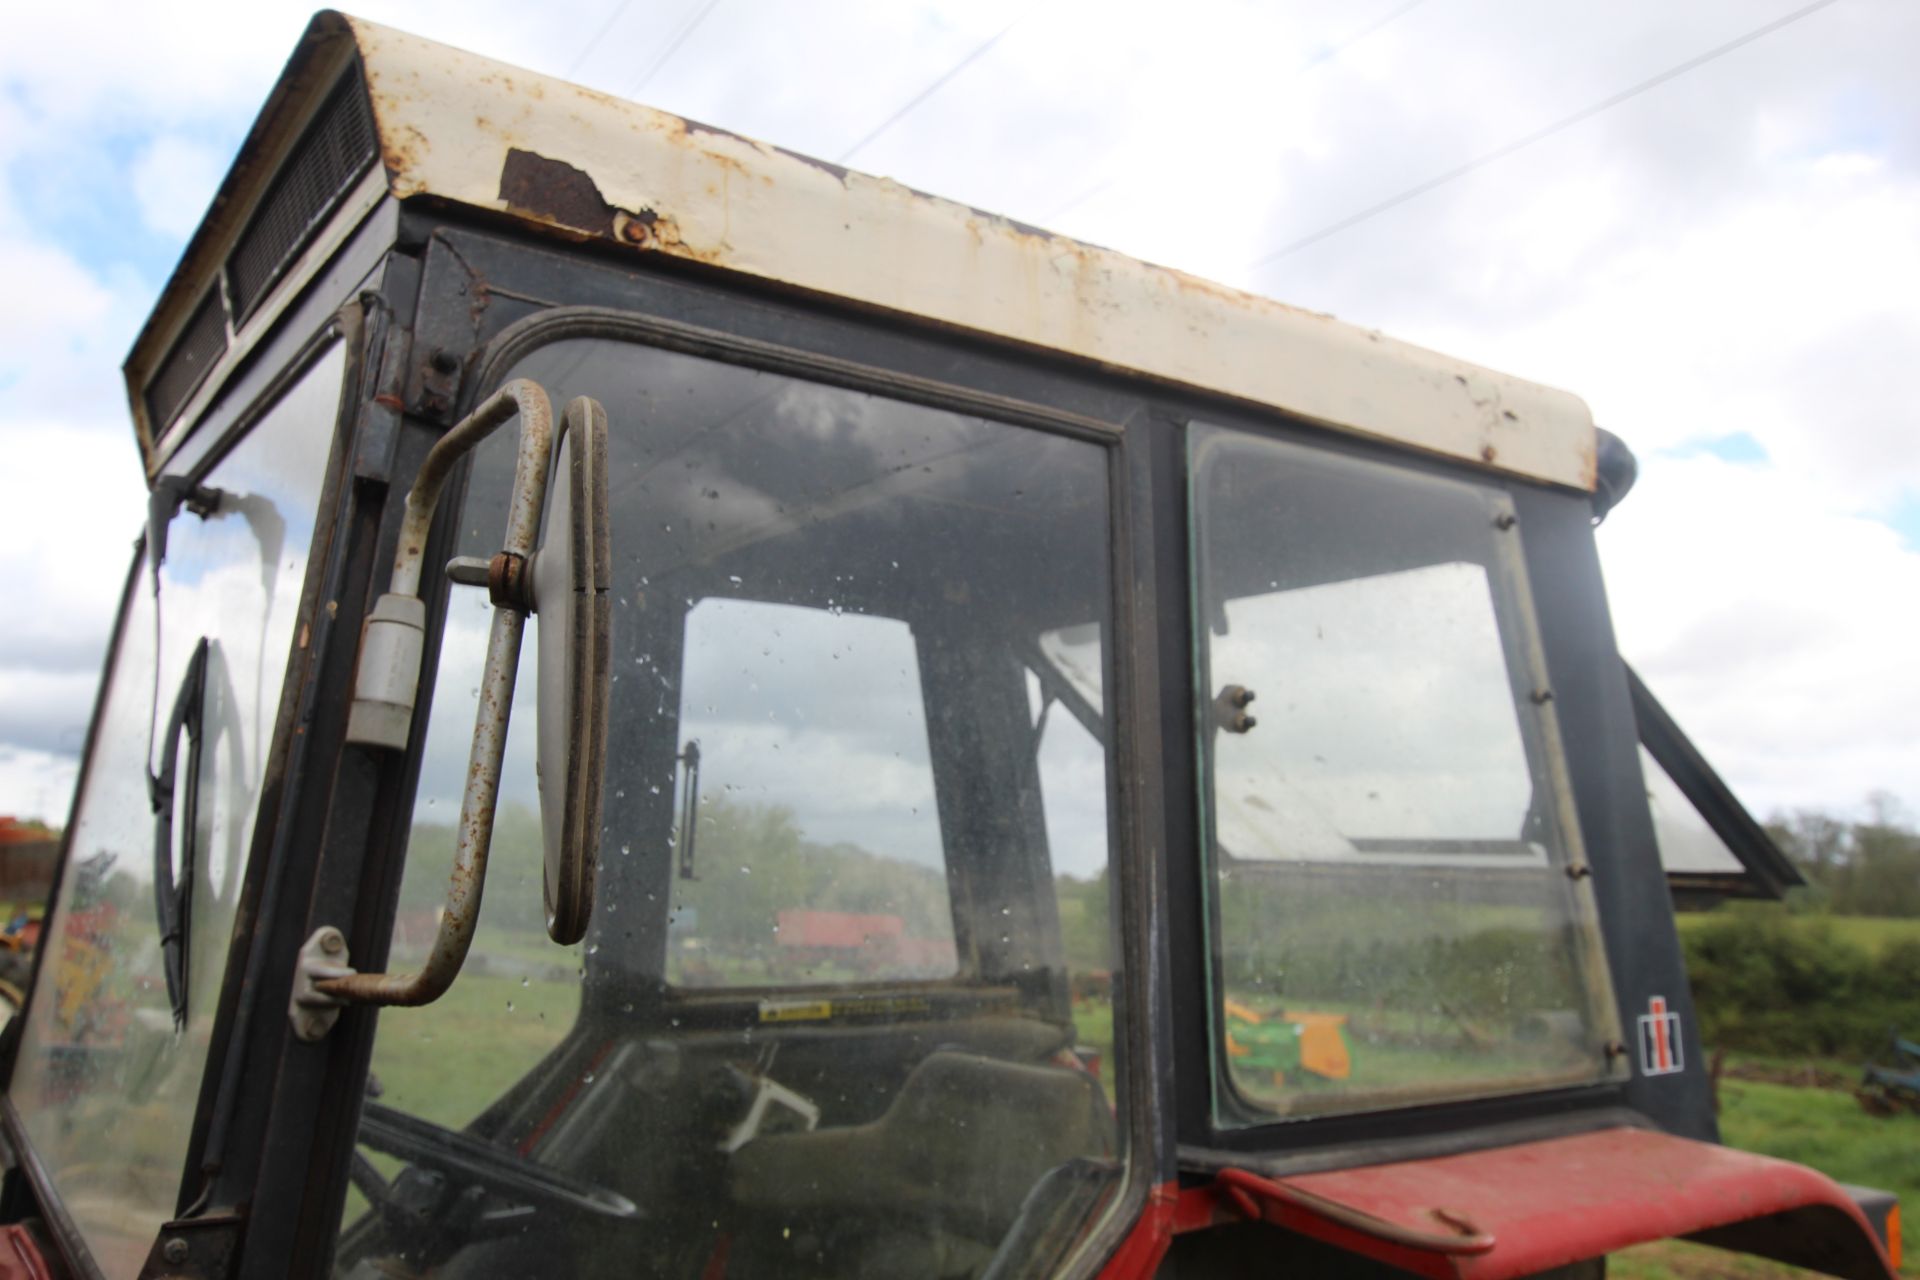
199, 346
335, 150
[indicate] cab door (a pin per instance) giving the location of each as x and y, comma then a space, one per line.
119, 1035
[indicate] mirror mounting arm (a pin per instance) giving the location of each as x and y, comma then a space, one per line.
388, 679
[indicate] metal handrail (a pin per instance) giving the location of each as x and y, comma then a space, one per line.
454, 936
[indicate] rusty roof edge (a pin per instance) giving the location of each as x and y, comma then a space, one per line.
458, 127
471, 130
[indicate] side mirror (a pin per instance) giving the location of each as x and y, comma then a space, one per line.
571, 574
564, 584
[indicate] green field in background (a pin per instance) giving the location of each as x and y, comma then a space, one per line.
1872, 934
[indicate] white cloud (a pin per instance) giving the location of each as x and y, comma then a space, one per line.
36, 784
174, 179
1779, 634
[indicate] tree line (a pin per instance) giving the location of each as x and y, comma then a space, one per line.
1867, 867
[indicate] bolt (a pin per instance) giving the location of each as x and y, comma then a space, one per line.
332, 943
443, 361
175, 1250
1505, 520
1542, 696
1578, 871
1615, 1049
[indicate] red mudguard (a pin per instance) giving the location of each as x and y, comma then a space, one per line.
1514, 1211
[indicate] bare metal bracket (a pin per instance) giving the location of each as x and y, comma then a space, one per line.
324, 957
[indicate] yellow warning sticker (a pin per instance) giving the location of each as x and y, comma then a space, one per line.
795, 1010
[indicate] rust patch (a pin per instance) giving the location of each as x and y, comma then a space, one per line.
649, 229
555, 191
401, 154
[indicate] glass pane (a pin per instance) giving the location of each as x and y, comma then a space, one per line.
845, 1004
1687, 844
1387, 835
106, 1083
813, 851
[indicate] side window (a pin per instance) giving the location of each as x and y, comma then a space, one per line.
117, 1035
1389, 834
1709, 845
807, 841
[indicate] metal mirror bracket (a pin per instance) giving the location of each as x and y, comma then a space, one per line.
388, 679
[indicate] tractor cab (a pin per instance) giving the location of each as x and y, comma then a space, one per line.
679, 710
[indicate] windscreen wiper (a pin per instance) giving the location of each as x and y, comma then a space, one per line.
173, 890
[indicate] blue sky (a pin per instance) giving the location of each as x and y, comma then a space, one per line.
1725, 267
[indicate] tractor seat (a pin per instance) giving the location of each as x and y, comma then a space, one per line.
959, 1148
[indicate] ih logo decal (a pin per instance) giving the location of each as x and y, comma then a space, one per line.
1660, 1040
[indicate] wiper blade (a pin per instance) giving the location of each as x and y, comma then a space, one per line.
173, 891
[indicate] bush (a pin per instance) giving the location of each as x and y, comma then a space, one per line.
1789, 988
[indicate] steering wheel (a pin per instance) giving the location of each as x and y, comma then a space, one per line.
449, 1209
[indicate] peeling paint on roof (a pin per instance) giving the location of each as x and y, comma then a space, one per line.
461, 128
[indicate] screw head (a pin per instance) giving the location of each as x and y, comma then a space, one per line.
175, 1250
332, 942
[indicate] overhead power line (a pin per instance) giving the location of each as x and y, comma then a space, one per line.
1565, 122
914, 102
1328, 55
673, 47
619, 11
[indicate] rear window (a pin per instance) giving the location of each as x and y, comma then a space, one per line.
807, 842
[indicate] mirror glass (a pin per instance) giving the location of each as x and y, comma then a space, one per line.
573, 625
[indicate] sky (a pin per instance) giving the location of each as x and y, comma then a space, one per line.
1724, 266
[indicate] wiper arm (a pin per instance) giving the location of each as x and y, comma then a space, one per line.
173, 892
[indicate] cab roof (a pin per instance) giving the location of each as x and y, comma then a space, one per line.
436, 124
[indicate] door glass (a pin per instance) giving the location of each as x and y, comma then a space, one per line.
1389, 833
845, 1004
110, 1065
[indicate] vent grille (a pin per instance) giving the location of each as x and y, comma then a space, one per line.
335, 150
201, 344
